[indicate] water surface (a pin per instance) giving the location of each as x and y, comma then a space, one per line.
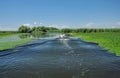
59, 58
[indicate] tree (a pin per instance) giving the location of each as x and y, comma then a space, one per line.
24, 29
42, 29
66, 30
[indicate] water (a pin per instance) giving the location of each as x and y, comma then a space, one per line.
23, 36
59, 58
10, 38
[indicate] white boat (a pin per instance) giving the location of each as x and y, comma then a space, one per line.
63, 36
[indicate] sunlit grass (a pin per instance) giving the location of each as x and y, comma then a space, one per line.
107, 40
8, 45
6, 34
10, 40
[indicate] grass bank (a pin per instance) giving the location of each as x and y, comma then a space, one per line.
107, 40
8, 41
5, 34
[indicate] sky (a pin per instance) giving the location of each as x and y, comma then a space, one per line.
59, 13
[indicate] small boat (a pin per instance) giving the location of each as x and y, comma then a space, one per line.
63, 36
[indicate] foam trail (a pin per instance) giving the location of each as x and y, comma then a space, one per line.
65, 42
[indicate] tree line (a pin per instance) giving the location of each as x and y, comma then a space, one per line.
90, 30
45, 29
36, 29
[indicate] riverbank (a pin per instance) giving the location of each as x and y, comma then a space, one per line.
8, 41
107, 40
6, 34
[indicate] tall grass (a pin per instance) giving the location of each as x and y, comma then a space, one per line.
7, 33
89, 30
97, 30
107, 40
8, 45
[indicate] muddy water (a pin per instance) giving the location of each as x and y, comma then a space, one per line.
59, 58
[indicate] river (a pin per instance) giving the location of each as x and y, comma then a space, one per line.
59, 58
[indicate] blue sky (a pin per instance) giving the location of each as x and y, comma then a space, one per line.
60, 13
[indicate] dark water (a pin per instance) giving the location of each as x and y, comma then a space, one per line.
57, 58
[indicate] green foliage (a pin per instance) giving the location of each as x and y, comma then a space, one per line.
8, 42
88, 30
42, 30
24, 29
8, 45
66, 30
37, 33
107, 40
7, 33
24, 35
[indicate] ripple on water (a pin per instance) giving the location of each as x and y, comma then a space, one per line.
60, 59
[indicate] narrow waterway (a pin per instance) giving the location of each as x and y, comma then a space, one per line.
59, 58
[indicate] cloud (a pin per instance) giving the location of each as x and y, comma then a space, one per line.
64, 26
27, 24
118, 23
32, 24
113, 26
40, 23
0, 27
35, 23
8, 28
59, 26
89, 25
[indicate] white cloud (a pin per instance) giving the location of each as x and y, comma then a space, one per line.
35, 23
56, 26
59, 26
89, 25
32, 24
64, 26
118, 23
113, 26
27, 24
0, 27
41, 23
8, 28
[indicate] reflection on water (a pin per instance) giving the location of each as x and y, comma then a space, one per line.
22, 36
26, 35
10, 38
37, 35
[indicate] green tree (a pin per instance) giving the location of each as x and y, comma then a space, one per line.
24, 29
66, 30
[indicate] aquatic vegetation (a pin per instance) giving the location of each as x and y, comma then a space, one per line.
89, 30
11, 44
107, 40
4, 33
10, 40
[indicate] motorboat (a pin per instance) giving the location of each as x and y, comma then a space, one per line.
63, 36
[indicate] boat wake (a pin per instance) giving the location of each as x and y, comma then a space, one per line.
67, 46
